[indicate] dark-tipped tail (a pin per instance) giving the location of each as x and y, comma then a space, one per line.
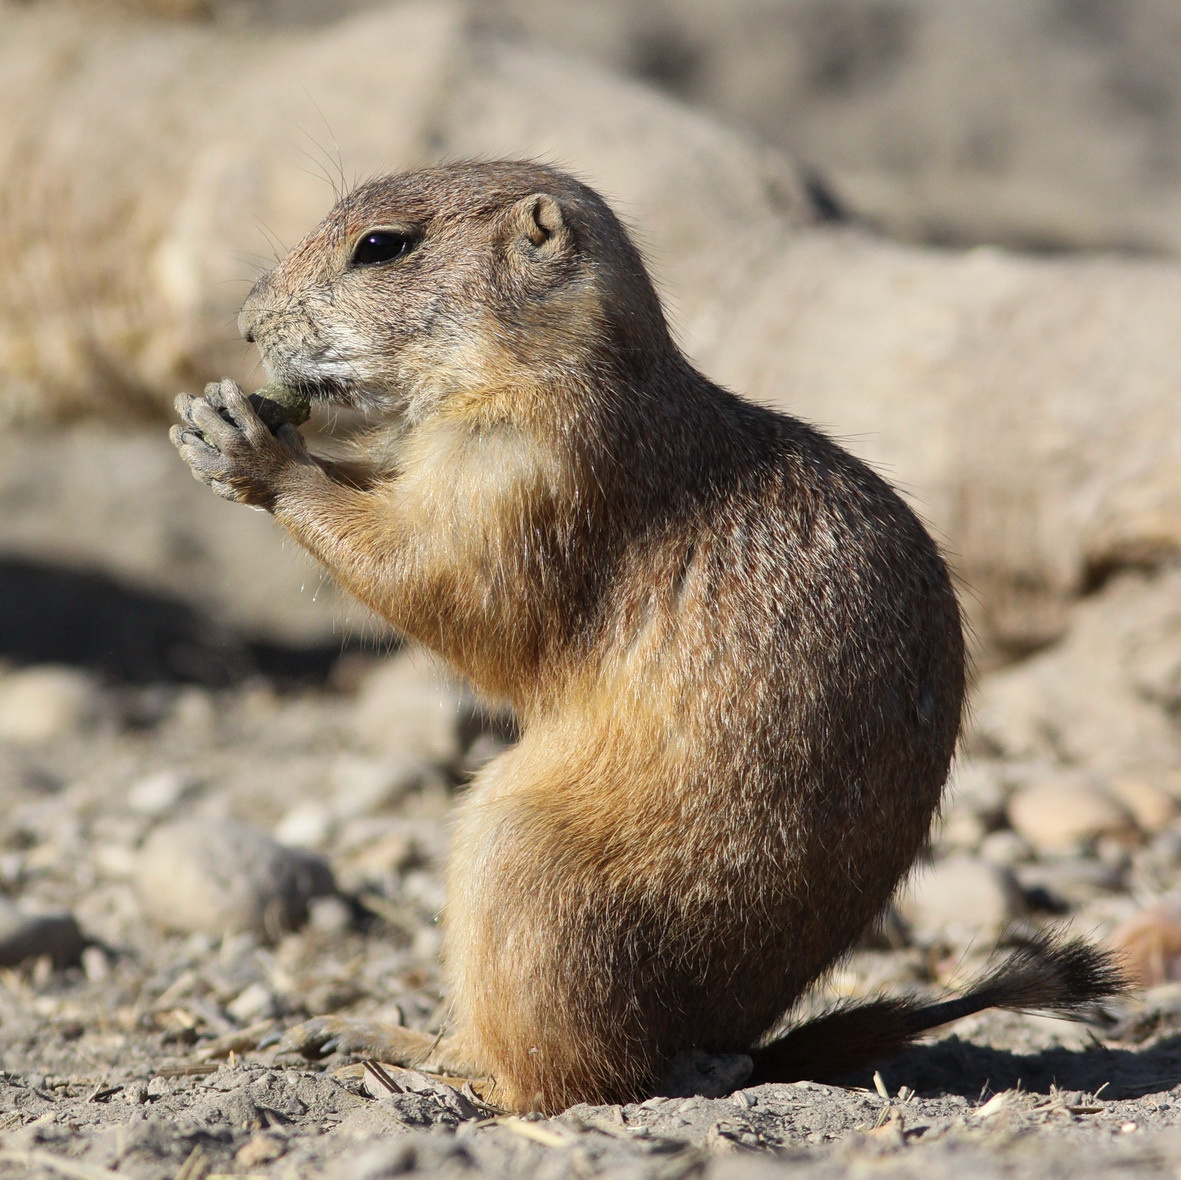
1047, 972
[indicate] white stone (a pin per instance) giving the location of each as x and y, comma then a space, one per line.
960, 828
306, 825
255, 1002
43, 703
157, 793
362, 785
1004, 847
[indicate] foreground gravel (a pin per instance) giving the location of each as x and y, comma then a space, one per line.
177, 934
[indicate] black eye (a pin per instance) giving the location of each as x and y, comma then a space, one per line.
382, 245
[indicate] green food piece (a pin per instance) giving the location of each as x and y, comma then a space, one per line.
277, 404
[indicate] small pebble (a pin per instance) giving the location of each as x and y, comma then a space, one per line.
330, 915
12, 870
1113, 852
44, 703
1154, 868
1004, 848
1069, 879
96, 964
1067, 811
255, 1002
156, 794
961, 828
114, 861
365, 786
977, 785
1151, 806
224, 877
194, 713
426, 943
1166, 848
261, 1149
306, 825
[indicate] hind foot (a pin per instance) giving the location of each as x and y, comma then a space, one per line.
378, 1040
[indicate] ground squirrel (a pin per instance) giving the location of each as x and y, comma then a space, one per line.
735, 653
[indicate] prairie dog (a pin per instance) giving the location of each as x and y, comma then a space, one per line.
735, 653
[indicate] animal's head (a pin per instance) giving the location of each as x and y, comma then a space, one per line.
445, 284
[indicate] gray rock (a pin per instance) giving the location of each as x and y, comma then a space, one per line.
1072, 880
960, 827
255, 1002
224, 877
368, 786
1105, 696
330, 915
977, 785
961, 896
1068, 810
307, 825
96, 964
982, 120
416, 1155
406, 707
30, 935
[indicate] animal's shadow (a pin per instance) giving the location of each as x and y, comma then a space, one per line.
953, 1066
132, 635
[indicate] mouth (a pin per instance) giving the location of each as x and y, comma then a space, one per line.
323, 391
316, 388
326, 382
344, 394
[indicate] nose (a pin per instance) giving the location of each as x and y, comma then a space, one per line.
247, 317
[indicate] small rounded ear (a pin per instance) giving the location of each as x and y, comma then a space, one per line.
538, 224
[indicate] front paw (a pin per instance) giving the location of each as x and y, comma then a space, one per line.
229, 447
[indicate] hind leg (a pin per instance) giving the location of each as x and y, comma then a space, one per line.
381, 1041
548, 949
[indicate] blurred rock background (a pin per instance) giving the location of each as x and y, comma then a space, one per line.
1039, 124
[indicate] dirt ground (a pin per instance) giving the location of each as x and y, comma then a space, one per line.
141, 783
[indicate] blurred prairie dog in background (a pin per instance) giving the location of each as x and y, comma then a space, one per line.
735, 653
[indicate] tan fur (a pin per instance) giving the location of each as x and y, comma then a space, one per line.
734, 652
